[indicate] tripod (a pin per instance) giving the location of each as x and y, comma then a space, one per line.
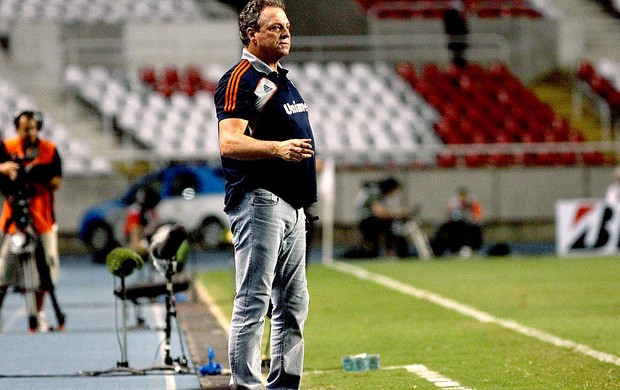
179, 364
26, 247
121, 262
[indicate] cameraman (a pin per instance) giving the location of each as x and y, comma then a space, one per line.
376, 221
39, 175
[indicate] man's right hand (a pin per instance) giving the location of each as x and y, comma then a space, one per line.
9, 169
295, 150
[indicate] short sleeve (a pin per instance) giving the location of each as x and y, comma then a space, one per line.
234, 96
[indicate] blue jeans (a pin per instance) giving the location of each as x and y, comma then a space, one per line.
269, 240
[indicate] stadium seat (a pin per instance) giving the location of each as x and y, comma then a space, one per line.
148, 75
479, 105
585, 71
77, 159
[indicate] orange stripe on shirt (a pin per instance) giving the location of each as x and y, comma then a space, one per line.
233, 86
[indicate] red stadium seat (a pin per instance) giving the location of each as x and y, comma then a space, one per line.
187, 88
593, 158
148, 75
407, 72
501, 160
446, 160
567, 159
499, 70
476, 160
613, 98
165, 89
431, 72
478, 137
601, 85
443, 128
546, 158
585, 71
193, 75
171, 76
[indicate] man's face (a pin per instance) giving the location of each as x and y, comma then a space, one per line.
27, 130
273, 39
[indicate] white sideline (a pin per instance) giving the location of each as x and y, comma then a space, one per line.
435, 378
472, 312
204, 296
419, 369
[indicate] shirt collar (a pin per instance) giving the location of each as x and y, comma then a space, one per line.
259, 65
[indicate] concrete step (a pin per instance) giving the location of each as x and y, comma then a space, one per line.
79, 121
55, 104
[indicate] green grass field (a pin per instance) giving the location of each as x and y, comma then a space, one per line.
574, 300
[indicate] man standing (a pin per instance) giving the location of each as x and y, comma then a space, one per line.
42, 175
267, 150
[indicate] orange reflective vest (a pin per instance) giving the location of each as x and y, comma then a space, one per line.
42, 203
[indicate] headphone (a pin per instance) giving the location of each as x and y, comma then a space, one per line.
36, 115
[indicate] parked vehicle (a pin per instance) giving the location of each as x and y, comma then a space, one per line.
191, 195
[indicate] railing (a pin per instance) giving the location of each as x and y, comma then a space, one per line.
582, 94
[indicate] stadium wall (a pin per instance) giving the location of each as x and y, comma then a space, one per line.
519, 202
44, 48
215, 42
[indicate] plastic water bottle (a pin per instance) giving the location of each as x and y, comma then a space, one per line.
361, 362
347, 363
374, 362
212, 368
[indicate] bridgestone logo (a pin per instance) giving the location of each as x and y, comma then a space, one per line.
295, 108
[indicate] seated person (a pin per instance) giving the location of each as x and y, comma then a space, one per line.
141, 220
376, 221
462, 232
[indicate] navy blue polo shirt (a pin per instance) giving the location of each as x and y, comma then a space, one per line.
275, 111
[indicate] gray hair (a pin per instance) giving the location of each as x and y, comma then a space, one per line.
248, 18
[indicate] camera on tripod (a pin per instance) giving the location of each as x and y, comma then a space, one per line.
20, 191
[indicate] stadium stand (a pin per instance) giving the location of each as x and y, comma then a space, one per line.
364, 114
77, 159
492, 106
371, 108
